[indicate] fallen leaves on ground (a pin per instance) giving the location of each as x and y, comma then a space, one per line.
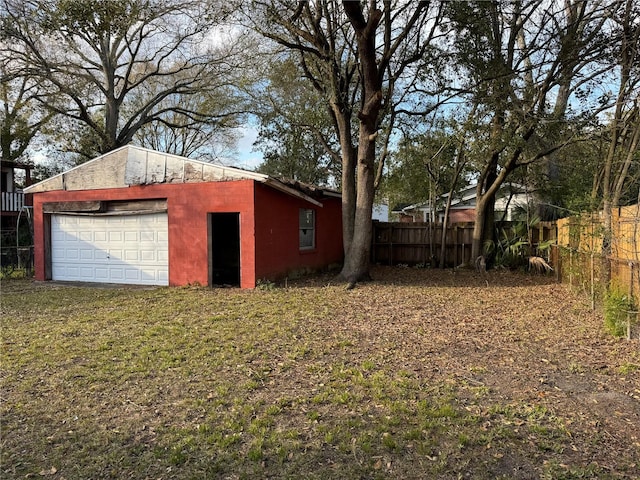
418, 374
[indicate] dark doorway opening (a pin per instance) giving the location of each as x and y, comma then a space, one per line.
224, 249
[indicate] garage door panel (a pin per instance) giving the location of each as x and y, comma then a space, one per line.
116, 275
71, 238
149, 256
100, 255
115, 255
101, 274
131, 256
72, 254
131, 237
111, 249
132, 275
148, 236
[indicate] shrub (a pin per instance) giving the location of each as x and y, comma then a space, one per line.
265, 284
513, 244
617, 304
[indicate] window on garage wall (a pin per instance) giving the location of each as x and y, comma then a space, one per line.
307, 229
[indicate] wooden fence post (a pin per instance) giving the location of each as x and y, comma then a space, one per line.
391, 245
455, 246
570, 267
593, 292
631, 265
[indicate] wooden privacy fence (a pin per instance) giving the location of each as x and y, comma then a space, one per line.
580, 240
396, 243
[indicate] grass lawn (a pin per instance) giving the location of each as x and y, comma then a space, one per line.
418, 374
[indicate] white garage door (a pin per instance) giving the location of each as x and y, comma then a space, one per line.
130, 249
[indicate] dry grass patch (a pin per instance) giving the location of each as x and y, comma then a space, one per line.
419, 374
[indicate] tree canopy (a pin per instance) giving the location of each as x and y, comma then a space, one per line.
296, 136
113, 68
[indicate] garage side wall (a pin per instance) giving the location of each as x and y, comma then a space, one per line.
188, 206
278, 252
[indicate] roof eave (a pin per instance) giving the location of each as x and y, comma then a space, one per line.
277, 185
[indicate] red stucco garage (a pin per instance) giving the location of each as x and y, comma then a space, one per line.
139, 216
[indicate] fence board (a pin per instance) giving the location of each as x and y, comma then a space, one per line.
419, 243
581, 237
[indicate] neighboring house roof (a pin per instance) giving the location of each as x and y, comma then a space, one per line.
132, 165
403, 206
465, 198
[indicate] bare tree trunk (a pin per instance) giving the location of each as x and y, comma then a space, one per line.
431, 222
459, 165
488, 184
348, 178
483, 226
445, 224
607, 224
477, 240
356, 265
489, 228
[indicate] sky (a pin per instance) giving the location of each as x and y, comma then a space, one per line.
246, 157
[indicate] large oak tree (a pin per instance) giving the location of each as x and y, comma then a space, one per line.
519, 65
360, 56
22, 118
112, 68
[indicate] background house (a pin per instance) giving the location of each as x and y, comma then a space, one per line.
511, 200
144, 217
13, 203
